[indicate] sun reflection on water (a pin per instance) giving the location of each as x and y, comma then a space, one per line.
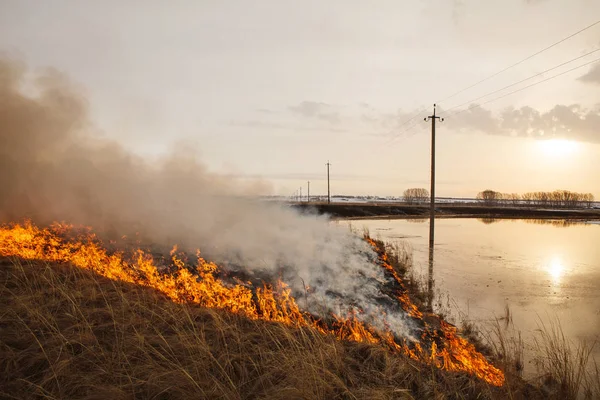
556, 270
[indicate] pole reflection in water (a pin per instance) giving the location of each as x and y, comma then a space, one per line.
430, 274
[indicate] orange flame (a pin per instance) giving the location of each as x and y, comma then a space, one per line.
61, 243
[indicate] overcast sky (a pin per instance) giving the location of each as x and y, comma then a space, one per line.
277, 88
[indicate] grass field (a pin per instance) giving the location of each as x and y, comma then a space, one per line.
67, 332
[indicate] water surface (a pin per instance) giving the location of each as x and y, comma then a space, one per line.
543, 270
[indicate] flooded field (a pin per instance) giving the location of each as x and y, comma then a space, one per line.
543, 270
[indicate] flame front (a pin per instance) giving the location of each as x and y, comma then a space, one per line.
447, 349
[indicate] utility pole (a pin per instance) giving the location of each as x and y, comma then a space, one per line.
432, 211
328, 190
300, 198
308, 193
432, 201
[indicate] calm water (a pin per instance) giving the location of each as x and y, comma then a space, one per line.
541, 271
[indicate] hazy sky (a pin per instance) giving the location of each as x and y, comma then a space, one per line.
276, 88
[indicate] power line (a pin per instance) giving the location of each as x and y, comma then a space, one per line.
523, 80
522, 61
496, 74
420, 110
508, 94
526, 87
415, 115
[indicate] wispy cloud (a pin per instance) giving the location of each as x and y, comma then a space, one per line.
265, 111
318, 110
257, 124
265, 124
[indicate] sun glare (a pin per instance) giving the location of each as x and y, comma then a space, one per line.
555, 269
558, 147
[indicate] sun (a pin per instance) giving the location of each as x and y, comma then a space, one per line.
558, 147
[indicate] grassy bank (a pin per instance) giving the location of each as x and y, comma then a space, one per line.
67, 332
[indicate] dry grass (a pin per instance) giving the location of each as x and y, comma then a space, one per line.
564, 369
564, 366
66, 333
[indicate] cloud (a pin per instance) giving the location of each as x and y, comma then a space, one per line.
257, 124
264, 124
318, 110
389, 125
265, 111
593, 75
360, 118
562, 121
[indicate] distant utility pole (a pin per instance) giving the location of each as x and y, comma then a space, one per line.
432, 202
308, 193
300, 198
328, 190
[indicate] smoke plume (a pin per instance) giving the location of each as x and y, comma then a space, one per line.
53, 167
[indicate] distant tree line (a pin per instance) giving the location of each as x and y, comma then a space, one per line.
557, 198
416, 195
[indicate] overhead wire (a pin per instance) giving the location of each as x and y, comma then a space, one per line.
398, 135
523, 80
520, 62
395, 136
523, 88
421, 109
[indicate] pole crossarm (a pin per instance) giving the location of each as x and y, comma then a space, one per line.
432, 117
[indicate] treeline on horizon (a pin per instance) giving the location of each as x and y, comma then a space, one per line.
557, 198
488, 197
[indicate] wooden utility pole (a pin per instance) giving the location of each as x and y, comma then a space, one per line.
432, 201
300, 197
308, 193
328, 190
431, 211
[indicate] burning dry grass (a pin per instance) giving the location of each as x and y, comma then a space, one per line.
116, 328
70, 333
438, 345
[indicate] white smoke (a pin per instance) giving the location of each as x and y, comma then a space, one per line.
54, 169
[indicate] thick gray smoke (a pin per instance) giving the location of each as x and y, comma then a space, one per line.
52, 168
